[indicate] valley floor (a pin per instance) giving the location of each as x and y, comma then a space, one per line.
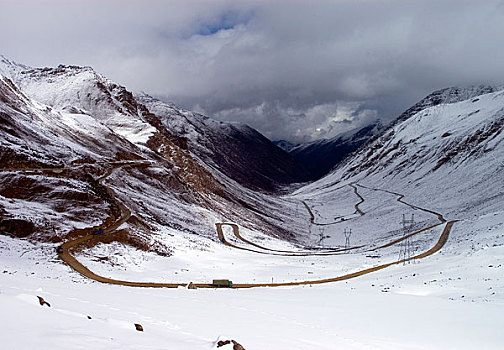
450, 300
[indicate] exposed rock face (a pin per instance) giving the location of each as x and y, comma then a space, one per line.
76, 149
237, 346
17, 228
223, 342
237, 150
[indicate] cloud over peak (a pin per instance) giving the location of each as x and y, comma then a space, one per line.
294, 70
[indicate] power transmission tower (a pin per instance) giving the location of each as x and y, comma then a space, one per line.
348, 233
321, 229
406, 247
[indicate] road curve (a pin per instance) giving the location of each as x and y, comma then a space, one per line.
440, 243
357, 209
400, 199
356, 206
69, 259
236, 232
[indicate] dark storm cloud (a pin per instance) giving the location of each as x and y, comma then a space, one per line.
298, 70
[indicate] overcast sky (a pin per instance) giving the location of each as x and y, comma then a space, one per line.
295, 70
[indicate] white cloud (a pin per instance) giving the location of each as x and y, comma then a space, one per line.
288, 68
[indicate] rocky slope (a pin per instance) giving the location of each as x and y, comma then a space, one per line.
77, 148
236, 150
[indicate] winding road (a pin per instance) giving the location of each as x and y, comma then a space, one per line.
65, 250
236, 232
356, 206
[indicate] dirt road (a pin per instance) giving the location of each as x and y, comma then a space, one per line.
356, 206
236, 232
76, 265
66, 255
440, 243
67, 247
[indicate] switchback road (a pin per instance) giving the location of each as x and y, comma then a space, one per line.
65, 252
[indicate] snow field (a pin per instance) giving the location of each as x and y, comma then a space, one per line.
451, 300
398, 308
200, 259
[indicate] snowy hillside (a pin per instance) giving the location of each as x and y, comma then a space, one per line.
448, 158
320, 156
236, 150
49, 160
448, 96
451, 152
87, 127
120, 211
82, 90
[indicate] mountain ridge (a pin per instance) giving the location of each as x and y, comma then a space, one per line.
240, 152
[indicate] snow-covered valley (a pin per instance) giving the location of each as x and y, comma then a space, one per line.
72, 165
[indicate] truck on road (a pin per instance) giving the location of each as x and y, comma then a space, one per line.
222, 283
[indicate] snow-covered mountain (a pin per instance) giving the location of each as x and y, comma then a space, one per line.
285, 145
446, 152
82, 90
139, 188
50, 160
449, 139
448, 96
63, 128
320, 156
236, 150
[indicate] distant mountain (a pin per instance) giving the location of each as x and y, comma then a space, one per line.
285, 145
448, 154
447, 157
236, 150
320, 156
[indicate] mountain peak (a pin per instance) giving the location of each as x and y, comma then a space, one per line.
447, 96
10, 68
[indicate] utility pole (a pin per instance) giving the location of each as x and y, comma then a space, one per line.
321, 229
348, 233
406, 246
